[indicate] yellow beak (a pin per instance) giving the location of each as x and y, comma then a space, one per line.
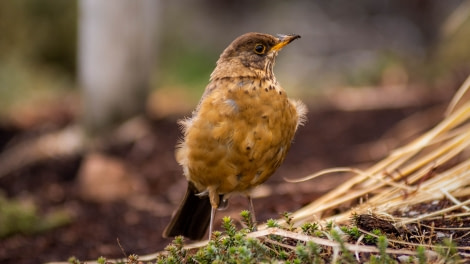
284, 40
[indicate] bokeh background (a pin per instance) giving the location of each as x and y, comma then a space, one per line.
90, 94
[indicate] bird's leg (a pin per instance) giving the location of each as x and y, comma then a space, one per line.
252, 212
211, 224
215, 200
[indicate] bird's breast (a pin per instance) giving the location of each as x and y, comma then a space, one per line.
239, 136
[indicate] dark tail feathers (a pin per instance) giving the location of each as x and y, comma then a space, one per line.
192, 217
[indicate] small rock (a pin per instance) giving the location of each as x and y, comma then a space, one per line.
105, 179
404, 259
413, 213
431, 256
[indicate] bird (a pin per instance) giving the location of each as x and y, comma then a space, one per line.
238, 135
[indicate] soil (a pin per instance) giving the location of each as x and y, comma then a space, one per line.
135, 223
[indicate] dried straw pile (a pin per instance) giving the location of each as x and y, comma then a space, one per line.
436, 165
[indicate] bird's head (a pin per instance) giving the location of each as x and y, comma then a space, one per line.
251, 52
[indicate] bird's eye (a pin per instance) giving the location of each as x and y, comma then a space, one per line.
260, 48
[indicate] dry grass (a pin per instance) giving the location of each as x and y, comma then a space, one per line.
433, 166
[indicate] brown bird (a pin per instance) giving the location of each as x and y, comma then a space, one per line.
238, 135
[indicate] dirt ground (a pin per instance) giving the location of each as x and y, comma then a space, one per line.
330, 138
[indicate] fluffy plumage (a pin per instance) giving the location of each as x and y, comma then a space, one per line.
240, 132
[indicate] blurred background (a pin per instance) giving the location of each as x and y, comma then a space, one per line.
90, 93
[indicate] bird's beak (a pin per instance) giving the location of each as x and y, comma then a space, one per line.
284, 40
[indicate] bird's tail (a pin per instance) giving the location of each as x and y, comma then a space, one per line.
192, 217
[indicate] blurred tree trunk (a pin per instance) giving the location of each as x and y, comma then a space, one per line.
117, 44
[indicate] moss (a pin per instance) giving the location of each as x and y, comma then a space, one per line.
22, 217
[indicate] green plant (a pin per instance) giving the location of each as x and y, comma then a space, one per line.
329, 225
353, 232
371, 239
309, 228
247, 219
382, 245
448, 251
308, 253
233, 247
289, 221
421, 255
347, 256
101, 260
73, 260
272, 223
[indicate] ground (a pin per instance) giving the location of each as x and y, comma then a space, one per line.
330, 138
